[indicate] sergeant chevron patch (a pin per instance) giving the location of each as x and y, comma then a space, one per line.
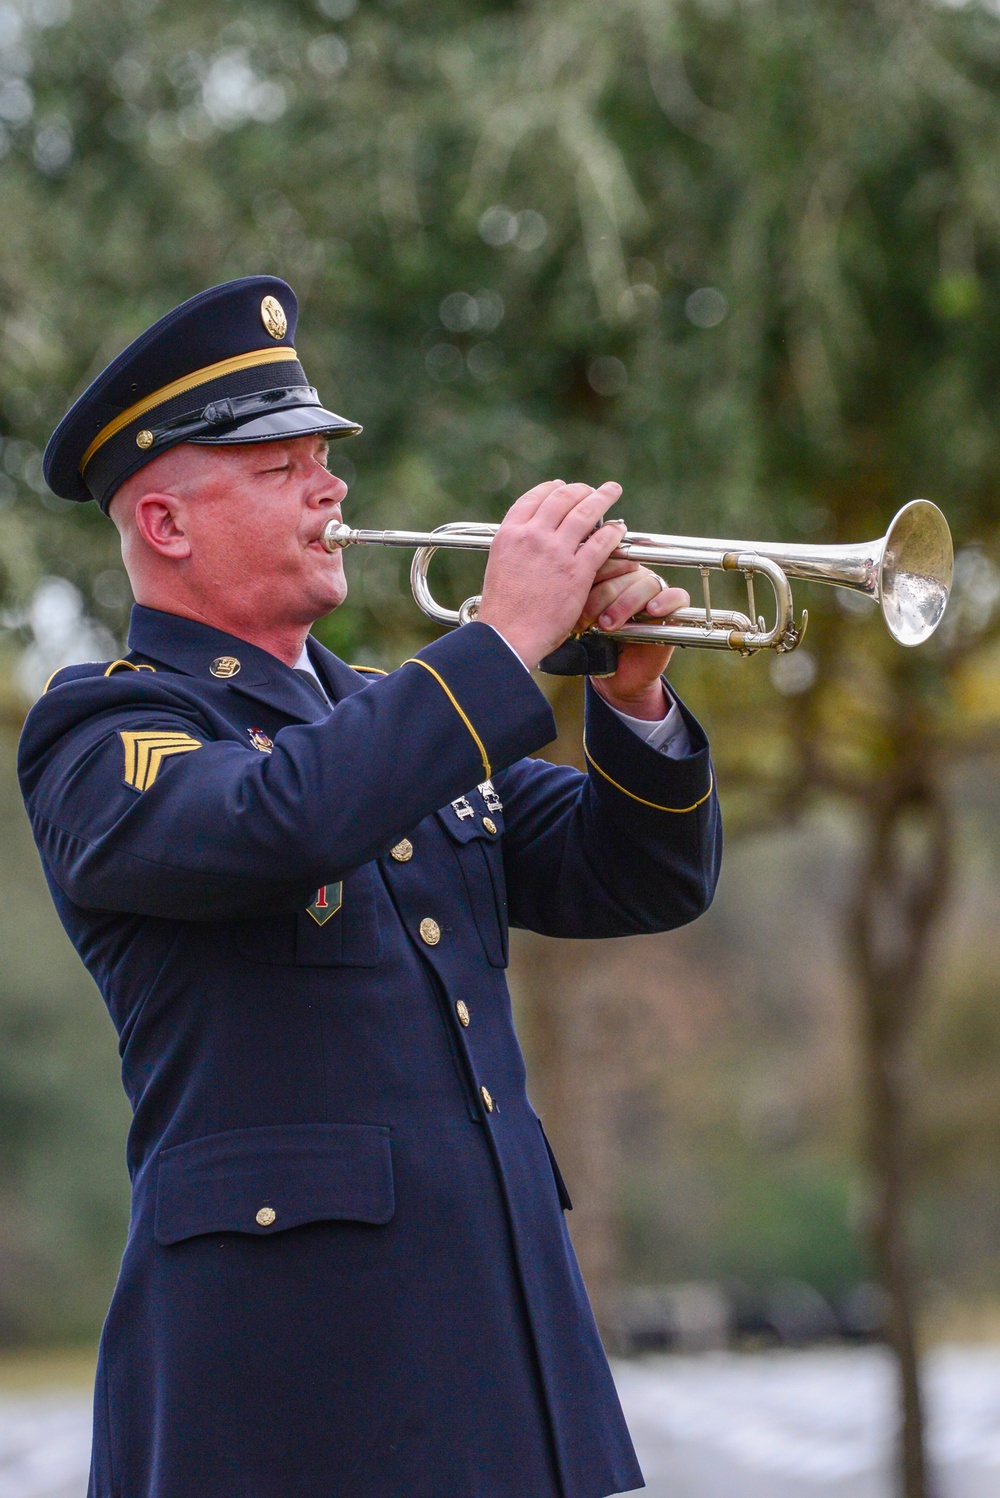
145, 752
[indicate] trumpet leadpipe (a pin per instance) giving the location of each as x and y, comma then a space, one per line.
479, 538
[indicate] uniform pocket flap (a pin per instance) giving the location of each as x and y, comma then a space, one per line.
264, 1180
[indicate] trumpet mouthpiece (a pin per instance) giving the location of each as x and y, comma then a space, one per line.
336, 535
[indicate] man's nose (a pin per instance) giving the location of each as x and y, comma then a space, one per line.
327, 490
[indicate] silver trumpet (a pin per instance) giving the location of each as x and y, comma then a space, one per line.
908, 572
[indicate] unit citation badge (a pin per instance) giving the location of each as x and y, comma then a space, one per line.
326, 902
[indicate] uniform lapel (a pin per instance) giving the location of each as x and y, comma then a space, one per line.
283, 690
189, 646
339, 679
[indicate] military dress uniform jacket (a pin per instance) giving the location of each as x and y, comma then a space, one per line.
347, 1272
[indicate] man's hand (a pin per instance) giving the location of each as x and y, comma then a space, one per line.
543, 563
622, 589
550, 572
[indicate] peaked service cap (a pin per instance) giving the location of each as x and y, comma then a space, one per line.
219, 369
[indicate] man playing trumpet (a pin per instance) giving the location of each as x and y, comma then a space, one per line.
348, 1273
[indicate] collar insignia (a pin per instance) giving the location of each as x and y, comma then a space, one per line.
224, 666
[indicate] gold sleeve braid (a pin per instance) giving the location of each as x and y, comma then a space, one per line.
416, 661
677, 810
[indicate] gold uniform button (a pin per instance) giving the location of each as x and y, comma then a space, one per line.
266, 1216
403, 851
144, 439
484, 1093
462, 1010
489, 824
430, 931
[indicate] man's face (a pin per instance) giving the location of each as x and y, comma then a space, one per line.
254, 519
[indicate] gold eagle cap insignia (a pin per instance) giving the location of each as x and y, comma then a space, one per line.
272, 315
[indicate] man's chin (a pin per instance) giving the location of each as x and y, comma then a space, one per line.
324, 604
325, 591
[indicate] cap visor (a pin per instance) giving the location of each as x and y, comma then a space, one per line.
300, 421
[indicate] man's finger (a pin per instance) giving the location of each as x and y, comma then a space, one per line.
634, 587
615, 567
526, 506
629, 596
597, 544
668, 600
562, 502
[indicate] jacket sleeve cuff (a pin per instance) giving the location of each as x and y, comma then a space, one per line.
491, 694
624, 769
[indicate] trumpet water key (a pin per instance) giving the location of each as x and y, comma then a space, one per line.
908, 573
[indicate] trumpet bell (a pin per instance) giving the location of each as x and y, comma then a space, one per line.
915, 572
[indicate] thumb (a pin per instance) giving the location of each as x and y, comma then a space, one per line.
667, 600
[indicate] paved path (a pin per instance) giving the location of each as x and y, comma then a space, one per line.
767, 1425
44, 1446
806, 1424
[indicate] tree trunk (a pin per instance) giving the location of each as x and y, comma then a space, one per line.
900, 892
888, 1152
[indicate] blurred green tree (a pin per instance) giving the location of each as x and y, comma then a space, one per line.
745, 258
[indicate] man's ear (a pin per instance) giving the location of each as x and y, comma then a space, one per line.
159, 521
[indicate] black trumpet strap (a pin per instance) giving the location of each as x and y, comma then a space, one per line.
590, 654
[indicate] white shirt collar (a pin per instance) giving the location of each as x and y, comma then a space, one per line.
305, 664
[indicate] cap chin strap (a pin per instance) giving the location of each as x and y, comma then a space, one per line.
222, 415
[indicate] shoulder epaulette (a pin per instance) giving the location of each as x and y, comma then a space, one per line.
79, 672
86, 669
371, 670
127, 666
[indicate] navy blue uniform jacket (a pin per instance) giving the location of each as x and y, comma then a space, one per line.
347, 1273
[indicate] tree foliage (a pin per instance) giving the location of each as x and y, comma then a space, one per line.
742, 255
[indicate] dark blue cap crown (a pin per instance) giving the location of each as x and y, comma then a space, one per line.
219, 369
